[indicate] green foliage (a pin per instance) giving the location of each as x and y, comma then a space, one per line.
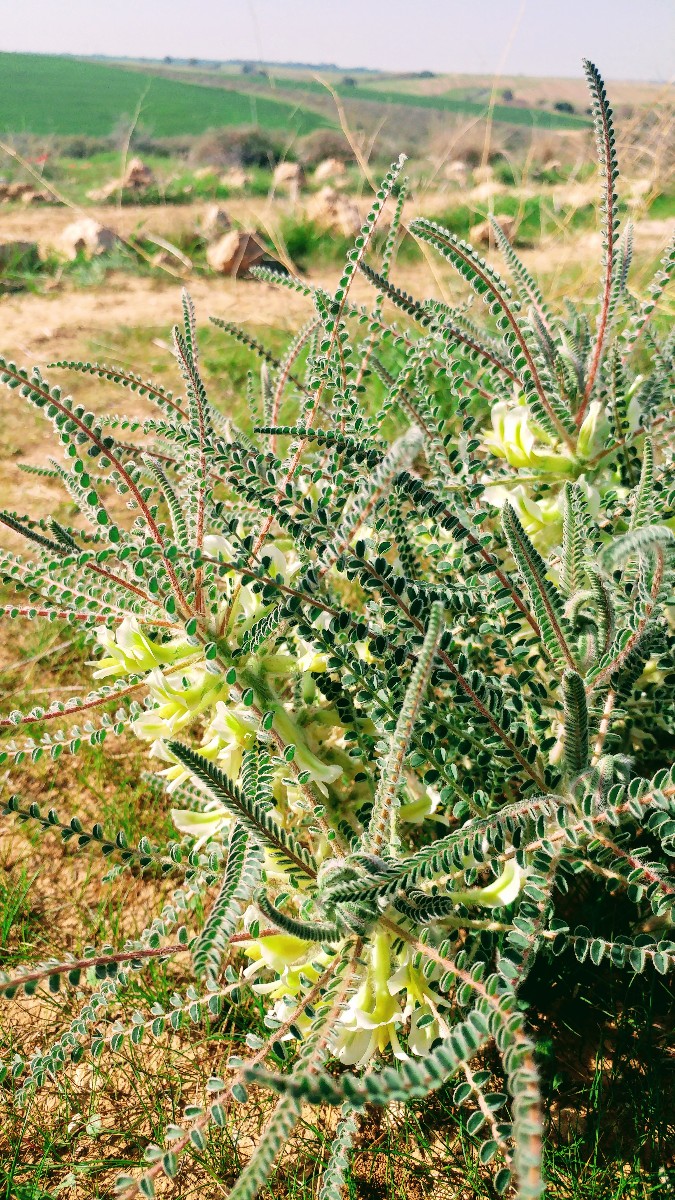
407, 662
242, 869
576, 723
337, 1167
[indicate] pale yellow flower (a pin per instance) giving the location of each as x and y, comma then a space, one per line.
319, 773
593, 430
176, 706
371, 1019
422, 1006
541, 519
297, 963
201, 825
501, 891
130, 651
231, 731
423, 806
516, 438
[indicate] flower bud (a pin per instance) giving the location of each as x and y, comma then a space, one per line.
593, 430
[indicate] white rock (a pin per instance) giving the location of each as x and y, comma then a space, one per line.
214, 222
237, 179
234, 253
330, 168
483, 235
455, 172
333, 210
88, 237
288, 175
137, 175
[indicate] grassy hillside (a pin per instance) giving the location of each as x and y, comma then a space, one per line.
536, 118
463, 102
46, 94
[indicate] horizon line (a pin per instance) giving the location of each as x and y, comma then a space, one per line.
428, 73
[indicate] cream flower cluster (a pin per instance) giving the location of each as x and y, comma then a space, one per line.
182, 691
130, 651
515, 438
391, 996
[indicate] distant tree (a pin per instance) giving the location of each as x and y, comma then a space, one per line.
507, 95
564, 106
168, 58
193, 62
348, 81
426, 74
248, 68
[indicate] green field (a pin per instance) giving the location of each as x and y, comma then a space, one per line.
535, 118
44, 94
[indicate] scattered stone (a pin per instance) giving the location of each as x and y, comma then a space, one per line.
455, 172
34, 197
334, 210
25, 192
290, 177
236, 179
137, 176
568, 1123
330, 168
234, 253
205, 173
100, 195
552, 164
164, 259
483, 234
214, 222
18, 255
86, 237
14, 191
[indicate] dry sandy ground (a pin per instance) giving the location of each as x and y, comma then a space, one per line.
85, 323
77, 322
36, 327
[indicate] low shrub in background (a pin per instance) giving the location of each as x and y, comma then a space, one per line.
243, 147
320, 144
412, 697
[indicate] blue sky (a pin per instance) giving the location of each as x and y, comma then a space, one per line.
629, 39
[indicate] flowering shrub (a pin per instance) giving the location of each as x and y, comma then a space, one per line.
405, 691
